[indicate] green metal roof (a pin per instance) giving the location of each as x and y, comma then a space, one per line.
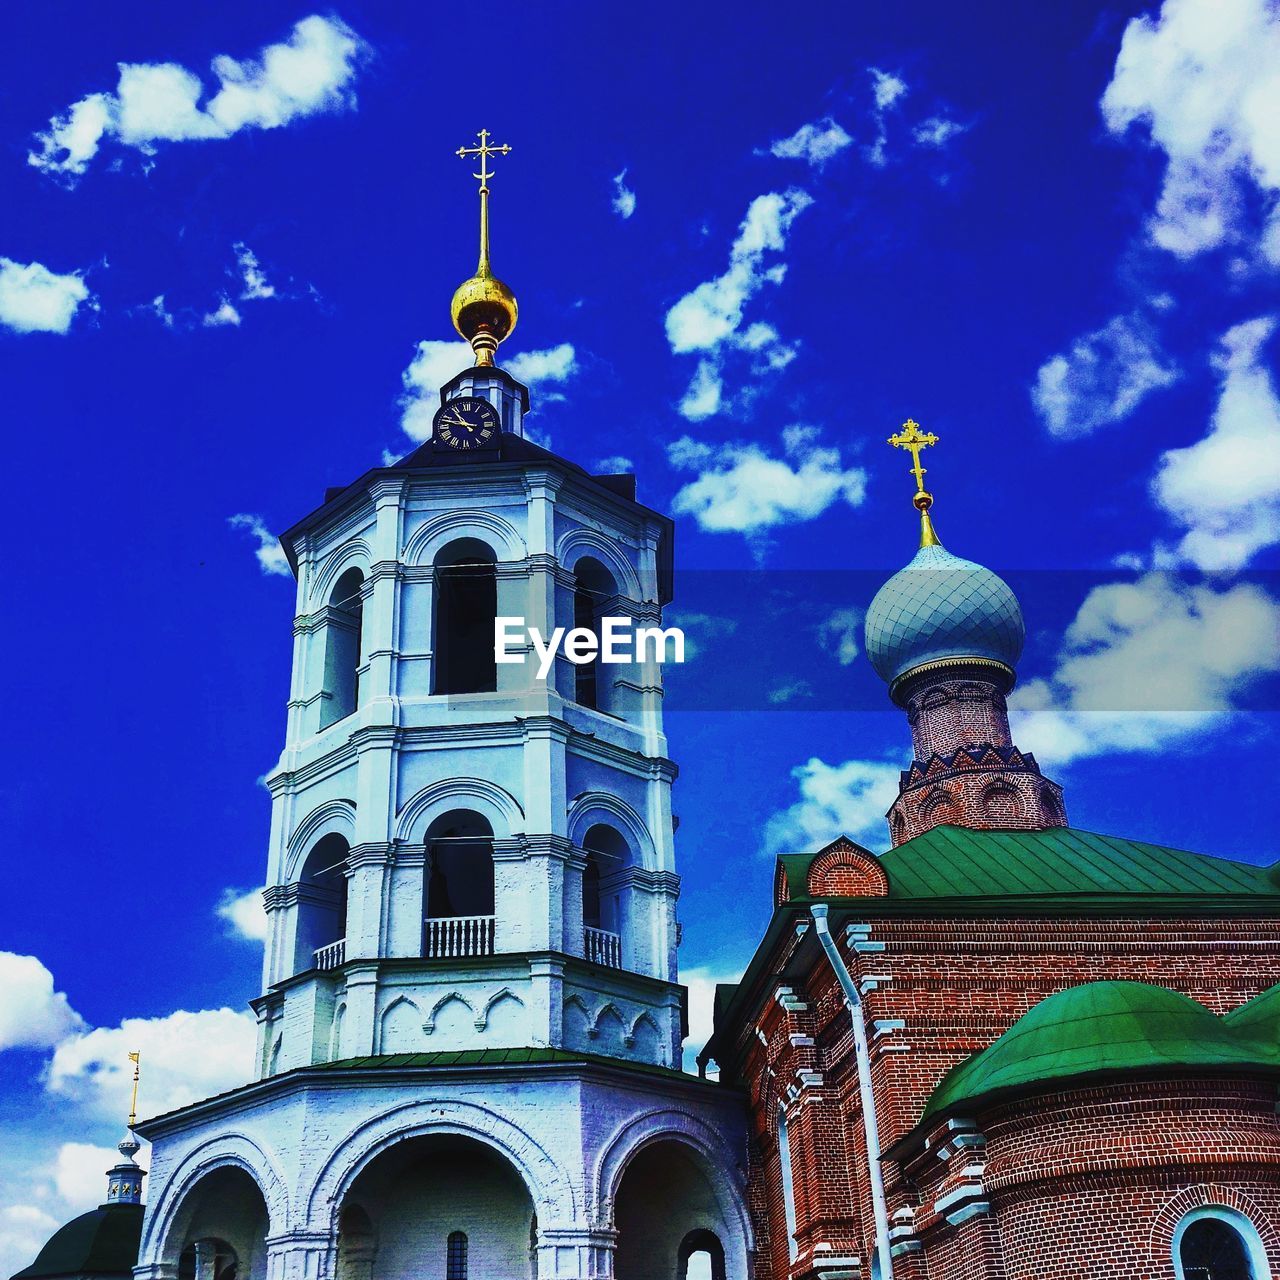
1104, 1027
103, 1242
959, 862
1259, 1017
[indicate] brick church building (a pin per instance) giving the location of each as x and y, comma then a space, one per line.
1006, 1048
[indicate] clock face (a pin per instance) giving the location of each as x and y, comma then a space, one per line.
466, 423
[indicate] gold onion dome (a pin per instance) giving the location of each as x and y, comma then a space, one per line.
484, 309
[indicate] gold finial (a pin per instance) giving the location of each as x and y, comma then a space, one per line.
135, 1056
484, 309
912, 439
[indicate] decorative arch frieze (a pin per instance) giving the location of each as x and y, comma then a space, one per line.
548, 1185
576, 544
449, 997
504, 993
228, 1150
599, 807
354, 554
496, 532
334, 817
498, 806
719, 1164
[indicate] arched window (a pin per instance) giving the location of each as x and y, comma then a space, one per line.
466, 596
701, 1257
593, 588
603, 890
788, 1186
343, 619
459, 885
322, 905
455, 1267
1216, 1243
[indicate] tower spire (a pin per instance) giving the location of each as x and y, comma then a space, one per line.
124, 1181
484, 310
912, 439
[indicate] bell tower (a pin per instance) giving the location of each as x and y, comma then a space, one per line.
466, 854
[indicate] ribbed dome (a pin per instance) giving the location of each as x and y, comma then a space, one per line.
941, 606
1102, 1027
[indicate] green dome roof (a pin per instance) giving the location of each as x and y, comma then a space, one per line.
102, 1242
941, 606
1108, 1026
1259, 1018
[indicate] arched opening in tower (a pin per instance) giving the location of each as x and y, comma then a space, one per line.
604, 890
670, 1221
466, 604
460, 901
594, 587
343, 623
219, 1231
322, 906
437, 1206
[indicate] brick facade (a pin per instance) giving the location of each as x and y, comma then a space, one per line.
965, 768
1060, 1185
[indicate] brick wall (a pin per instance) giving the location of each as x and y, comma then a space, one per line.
935, 991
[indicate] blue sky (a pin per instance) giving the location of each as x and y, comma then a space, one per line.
745, 251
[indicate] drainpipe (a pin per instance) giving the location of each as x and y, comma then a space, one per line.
870, 1125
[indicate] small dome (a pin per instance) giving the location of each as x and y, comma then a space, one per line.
1103, 1027
103, 1242
484, 303
942, 607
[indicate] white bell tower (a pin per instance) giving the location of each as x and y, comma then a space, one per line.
470, 1024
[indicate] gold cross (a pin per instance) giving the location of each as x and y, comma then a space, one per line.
914, 440
484, 151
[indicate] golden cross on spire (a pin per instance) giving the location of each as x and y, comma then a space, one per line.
484, 151
915, 441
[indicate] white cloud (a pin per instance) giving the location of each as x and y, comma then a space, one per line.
254, 281
841, 799
34, 299
743, 489
840, 635
244, 913
93, 1067
1146, 665
1203, 78
32, 1014
614, 465
1102, 379
624, 198
271, 556
704, 394
701, 983
434, 363
815, 143
701, 630
24, 1230
789, 691
887, 90
225, 314
535, 368
311, 72
710, 318
160, 311
1225, 489
937, 131
80, 1172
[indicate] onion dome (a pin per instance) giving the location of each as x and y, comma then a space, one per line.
940, 609
1104, 1027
